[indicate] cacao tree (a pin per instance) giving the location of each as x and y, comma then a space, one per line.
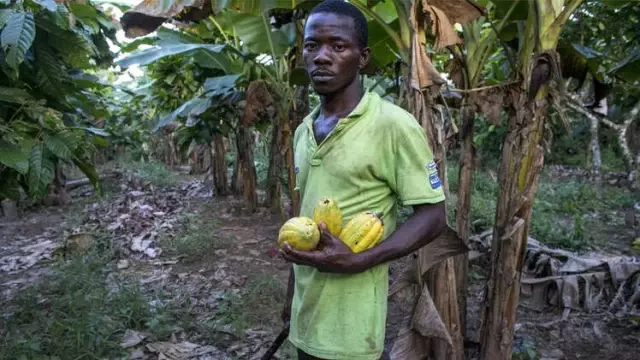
49, 100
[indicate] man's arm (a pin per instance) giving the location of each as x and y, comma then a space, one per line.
426, 224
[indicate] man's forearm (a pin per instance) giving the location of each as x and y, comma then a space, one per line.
424, 226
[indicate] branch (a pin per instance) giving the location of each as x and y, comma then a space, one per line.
575, 104
632, 115
485, 87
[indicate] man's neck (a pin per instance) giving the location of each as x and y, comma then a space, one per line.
341, 103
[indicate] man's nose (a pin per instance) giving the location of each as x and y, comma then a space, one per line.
322, 56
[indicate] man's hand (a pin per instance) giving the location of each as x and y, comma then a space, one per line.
331, 255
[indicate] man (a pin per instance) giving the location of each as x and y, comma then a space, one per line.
368, 154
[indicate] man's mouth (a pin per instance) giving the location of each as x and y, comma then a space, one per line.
321, 75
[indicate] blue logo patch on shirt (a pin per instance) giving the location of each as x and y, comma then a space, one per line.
296, 169
434, 178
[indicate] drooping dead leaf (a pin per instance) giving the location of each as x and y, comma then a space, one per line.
457, 11
446, 245
147, 16
427, 321
258, 101
455, 67
408, 345
442, 28
489, 102
423, 73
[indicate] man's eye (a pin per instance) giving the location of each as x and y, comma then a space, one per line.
309, 46
338, 47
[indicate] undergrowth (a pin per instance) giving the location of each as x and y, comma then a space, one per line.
73, 312
154, 172
566, 214
197, 237
258, 304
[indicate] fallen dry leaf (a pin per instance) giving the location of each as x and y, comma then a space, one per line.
131, 338
184, 350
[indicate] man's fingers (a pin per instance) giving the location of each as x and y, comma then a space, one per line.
322, 226
296, 256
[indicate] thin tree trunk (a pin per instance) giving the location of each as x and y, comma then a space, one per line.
299, 110
236, 177
621, 129
596, 158
219, 166
247, 168
274, 191
463, 206
521, 162
287, 145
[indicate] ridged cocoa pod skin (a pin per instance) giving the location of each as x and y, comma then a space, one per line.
363, 231
301, 233
328, 211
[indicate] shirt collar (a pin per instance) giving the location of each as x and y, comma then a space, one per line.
358, 111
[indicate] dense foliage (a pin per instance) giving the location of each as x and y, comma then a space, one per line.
50, 98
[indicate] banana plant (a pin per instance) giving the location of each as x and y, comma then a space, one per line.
468, 70
540, 84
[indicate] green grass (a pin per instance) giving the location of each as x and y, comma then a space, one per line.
77, 312
566, 214
156, 173
197, 236
259, 304
72, 313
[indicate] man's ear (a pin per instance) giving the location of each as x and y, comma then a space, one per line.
365, 57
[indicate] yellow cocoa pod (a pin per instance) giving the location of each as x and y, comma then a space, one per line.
328, 211
301, 233
363, 231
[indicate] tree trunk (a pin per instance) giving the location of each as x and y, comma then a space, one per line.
246, 167
219, 166
463, 206
441, 278
521, 162
301, 106
287, 145
273, 198
596, 159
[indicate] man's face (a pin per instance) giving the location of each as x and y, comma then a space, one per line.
331, 53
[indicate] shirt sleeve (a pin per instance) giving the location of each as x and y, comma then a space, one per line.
416, 174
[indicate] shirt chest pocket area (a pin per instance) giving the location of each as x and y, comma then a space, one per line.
361, 162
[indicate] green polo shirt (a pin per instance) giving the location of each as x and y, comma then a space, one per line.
374, 158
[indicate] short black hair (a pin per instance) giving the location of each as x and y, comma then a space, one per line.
341, 7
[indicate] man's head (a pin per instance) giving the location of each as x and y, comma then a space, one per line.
335, 45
